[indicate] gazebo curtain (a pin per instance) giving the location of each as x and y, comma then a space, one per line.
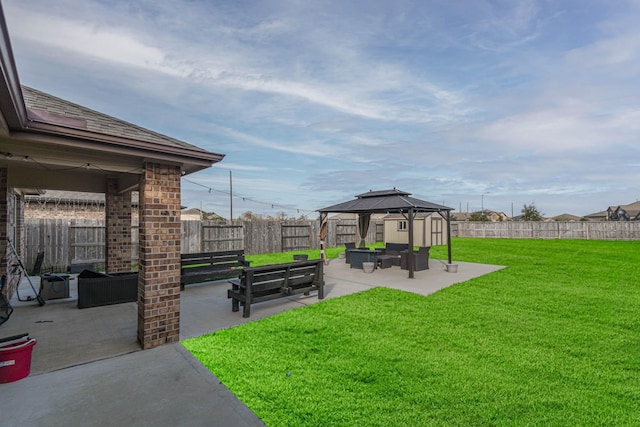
322, 235
363, 227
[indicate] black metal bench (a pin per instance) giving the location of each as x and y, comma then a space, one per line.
257, 284
209, 266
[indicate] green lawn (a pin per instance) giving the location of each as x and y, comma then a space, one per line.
282, 257
552, 340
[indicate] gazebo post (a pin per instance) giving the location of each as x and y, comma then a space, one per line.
411, 258
449, 235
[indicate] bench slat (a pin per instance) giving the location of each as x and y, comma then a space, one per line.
209, 266
257, 284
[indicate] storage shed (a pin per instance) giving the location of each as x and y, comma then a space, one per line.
429, 229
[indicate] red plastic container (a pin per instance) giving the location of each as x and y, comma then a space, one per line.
15, 361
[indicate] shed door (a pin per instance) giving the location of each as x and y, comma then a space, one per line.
437, 231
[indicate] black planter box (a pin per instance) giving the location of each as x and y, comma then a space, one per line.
96, 289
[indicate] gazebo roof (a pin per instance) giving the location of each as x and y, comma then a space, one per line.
385, 201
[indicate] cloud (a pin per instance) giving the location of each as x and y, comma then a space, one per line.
621, 52
500, 28
316, 149
359, 89
451, 99
112, 44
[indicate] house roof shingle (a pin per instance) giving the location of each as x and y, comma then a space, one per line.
45, 108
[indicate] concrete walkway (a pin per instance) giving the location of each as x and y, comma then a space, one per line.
88, 370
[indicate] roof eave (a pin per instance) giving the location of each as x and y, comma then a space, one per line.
77, 138
12, 105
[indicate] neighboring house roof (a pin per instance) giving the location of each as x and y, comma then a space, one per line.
566, 217
491, 215
628, 212
597, 216
496, 216
195, 213
461, 216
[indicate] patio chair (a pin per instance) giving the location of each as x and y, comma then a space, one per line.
421, 259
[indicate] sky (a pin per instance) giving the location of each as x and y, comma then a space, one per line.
471, 104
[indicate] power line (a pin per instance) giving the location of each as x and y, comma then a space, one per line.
250, 199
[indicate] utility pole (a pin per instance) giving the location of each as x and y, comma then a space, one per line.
482, 202
230, 197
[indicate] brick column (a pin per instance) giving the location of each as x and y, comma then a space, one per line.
118, 229
159, 253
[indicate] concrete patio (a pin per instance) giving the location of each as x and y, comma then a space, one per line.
88, 369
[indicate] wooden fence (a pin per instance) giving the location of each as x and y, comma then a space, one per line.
77, 241
583, 230
83, 241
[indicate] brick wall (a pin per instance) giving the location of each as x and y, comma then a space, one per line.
159, 256
64, 210
118, 229
7, 230
18, 219
68, 210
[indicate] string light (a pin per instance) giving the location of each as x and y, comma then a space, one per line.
85, 166
245, 198
143, 170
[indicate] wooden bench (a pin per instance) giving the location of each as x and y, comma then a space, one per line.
209, 266
257, 284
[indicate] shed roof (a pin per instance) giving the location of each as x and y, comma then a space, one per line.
385, 201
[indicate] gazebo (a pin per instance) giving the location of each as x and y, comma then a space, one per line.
386, 201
